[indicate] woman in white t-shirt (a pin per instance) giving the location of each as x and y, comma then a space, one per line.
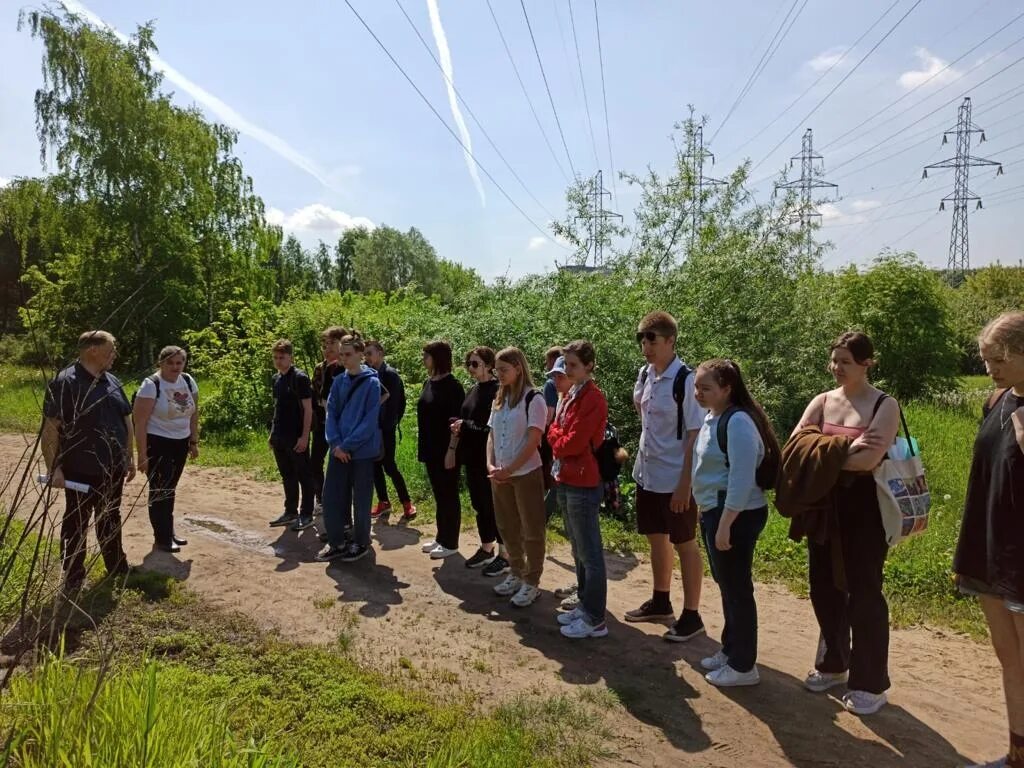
518, 418
166, 416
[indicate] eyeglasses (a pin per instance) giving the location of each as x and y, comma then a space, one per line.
474, 364
651, 336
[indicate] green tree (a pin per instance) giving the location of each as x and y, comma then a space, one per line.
985, 294
386, 260
344, 255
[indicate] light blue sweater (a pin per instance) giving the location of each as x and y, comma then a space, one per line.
710, 475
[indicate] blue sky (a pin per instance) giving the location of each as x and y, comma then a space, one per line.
332, 133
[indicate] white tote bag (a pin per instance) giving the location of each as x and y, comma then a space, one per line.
903, 495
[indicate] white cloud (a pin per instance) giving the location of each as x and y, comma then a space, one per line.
215, 106
933, 70
857, 212
827, 59
445, 56
536, 243
316, 219
4, 181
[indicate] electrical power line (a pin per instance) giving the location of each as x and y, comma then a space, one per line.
604, 98
526, 93
923, 82
547, 88
821, 77
921, 119
762, 63
840, 83
583, 82
444, 122
426, 47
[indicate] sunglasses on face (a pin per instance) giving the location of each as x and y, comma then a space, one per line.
650, 336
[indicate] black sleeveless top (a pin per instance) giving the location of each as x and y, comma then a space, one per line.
991, 545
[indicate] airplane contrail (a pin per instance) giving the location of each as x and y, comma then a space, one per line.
445, 56
213, 104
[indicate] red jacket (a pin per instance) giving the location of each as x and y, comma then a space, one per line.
574, 435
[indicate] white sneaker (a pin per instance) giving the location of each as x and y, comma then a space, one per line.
509, 586
582, 628
711, 663
525, 596
565, 619
819, 682
727, 677
440, 552
428, 545
864, 703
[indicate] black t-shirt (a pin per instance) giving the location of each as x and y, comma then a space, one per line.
323, 377
991, 545
93, 431
439, 404
475, 413
290, 389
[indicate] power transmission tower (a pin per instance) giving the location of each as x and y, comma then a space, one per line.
810, 180
598, 216
696, 154
959, 245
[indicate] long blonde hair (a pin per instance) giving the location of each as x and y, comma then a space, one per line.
515, 357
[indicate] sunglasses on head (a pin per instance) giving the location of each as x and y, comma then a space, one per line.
651, 336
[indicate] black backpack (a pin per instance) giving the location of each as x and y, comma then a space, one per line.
155, 378
767, 471
678, 393
607, 462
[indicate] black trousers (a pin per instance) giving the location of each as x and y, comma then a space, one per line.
388, 466
732, 572
854, 624
295, 475
166, 458
319, 449
445, 485
102, 503
482, 499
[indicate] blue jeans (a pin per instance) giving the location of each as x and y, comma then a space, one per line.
580, 507
732, 572
347, 484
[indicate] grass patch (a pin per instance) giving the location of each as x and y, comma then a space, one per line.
197, 687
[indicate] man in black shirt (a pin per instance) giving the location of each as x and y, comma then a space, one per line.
391, 412
289, 437
87, 441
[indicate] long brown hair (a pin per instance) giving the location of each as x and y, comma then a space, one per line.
515, 357
726, 373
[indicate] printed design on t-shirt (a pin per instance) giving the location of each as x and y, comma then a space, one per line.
180, 401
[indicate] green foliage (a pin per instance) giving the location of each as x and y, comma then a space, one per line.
901, 305
984, 295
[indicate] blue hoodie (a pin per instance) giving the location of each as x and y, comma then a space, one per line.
352, 414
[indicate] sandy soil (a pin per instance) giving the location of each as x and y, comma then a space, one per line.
946, 704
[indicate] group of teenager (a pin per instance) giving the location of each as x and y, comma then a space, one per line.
706, 456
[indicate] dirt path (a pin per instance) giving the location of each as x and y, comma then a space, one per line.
946, 702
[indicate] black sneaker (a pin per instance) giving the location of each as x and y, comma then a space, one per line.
285, 519
689, 626
497, 566
322, 536
649, 611
302, 523
354, 552
481, 558
329, 553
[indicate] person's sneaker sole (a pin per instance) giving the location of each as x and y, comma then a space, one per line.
635, 619
280, 523
602, 632
673, 637
328, 558
442, 555
745, 682
826, 685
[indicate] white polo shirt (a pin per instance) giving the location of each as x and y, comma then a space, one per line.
510, 427
659, 459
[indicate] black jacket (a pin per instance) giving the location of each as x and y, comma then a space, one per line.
393, 409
